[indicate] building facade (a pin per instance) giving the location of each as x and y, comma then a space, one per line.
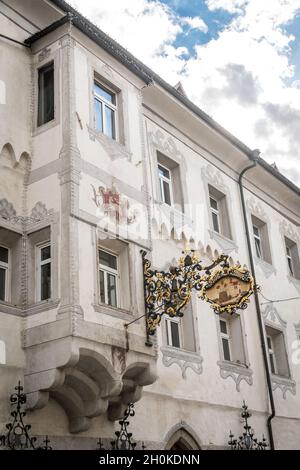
100, 160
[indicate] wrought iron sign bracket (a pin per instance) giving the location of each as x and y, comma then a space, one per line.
226, 288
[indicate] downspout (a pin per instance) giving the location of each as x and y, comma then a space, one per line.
255, 157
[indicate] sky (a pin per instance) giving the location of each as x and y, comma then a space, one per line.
238, 60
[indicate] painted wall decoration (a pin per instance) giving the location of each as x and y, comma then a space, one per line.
113, 205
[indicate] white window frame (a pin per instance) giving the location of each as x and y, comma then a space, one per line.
104, 102
216, 212
290, 262
271, 353
6, 267
259, 239
115, 272
227, 337
168, 321
39, 264
169, 181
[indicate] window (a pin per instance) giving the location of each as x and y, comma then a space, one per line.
173, 332
277, 352
257, 241
165, 184
44, 271
271, 354
292, 257
108, 278
105, 108
224, 330
219, 212
4, 257
261, 239
45, 94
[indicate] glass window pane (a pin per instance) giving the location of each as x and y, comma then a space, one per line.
223, 326
163, 172
290, 266
105, 93
46, 281
272, 364
226, 350
106, 259
3, 254
102, 287
255, 231
46, 253
46, 94
258, 248
112, 289
175, 334
269, 342
2, 283
167, 193
110, 123
213, 203
98, 116
215, 220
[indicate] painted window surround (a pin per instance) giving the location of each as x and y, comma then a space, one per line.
213, 177
119, 147
40, 60
235, 370
273, 319
183, 358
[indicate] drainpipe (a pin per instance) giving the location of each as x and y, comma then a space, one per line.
255, 158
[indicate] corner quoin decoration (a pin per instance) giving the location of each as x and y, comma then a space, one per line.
227, 288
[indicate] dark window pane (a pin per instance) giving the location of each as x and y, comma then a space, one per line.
223, 326
255, 231
98, 116
175, 334
272, 364
213, 203
45, 253
258, 248
269, 342
110, 123
102, 287
106, 94
107, 259
167, 193
226, 350
46, 94
46, 281
2, 283
111, 290
215, 220
3, 254
290, 266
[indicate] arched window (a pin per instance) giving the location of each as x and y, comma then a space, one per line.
182, 440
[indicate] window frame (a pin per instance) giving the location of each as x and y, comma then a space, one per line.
39, 264
259, 239
7, 268
161, 180
105, 103
271, 353
112, 271
290, 262
39, 69
226, 336
215, 212
168, 321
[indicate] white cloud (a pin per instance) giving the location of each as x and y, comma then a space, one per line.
241, 77
195, 22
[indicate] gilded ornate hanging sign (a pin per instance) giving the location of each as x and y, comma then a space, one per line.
227, 288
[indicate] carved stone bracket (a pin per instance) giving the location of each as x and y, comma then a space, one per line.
227, 246
284, 384
184, 359
236, 372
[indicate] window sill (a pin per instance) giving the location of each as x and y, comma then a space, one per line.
226, 244
285, 384
42, 306
10, 309
114, 148
113, 311
183, 358
237, 371
267, 268
45, 127
296, 282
